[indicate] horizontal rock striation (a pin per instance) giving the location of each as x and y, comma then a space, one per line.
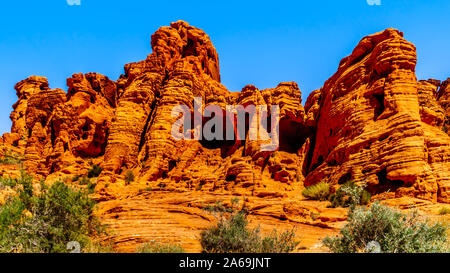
371, 122
377, 125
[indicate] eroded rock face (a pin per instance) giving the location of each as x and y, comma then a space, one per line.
443, 98
371, 122
431, 111
378, 125
59, 130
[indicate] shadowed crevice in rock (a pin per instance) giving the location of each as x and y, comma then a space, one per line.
371, 122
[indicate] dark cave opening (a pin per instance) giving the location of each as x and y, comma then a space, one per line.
189, 49
385, 184
292, 135
231, 178
172, 164
92, 99
345, 178
52, 134
317, 164
378, 104
220, 138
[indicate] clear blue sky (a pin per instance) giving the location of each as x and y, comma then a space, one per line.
261, 43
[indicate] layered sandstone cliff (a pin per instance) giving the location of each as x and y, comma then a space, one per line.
444, 100
371, 122
377, 125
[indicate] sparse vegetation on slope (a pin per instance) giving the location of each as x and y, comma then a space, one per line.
395, 232
232, 235
156, 247
319, 191
129, 177
45, 221
10, 158
444, 211
350, 195
94, 171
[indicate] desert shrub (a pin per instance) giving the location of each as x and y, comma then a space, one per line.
84, 180
156, 247
8, 182
94, 171
319, 191
444, 211
279, 243
217, 207
98, 247
76, 178
90, 187
365, 198
129, 177
232, 235
10, 158
349, 195
393, 231
45, 222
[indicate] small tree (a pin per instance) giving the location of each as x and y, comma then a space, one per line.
45, 221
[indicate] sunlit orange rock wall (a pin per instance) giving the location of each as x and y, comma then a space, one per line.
371, 122
443, 97
377, 125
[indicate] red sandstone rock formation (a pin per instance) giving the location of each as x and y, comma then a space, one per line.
372, 122
444, 100
377, 125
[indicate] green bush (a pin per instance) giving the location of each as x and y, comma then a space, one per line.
155, 247
75, 178
393, 231
217, 207
45, 222
278, 243
10, 158
95, 171
232, 235
319, 191
84, 180
8, 182
129, 177
444, 211
349, 195
90, 187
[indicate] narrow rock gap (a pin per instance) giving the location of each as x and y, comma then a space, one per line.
147, 124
